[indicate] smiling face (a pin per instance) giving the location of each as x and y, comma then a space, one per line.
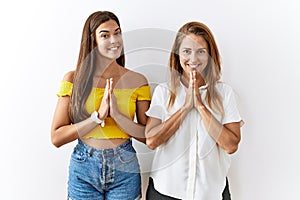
109, 40
193, 54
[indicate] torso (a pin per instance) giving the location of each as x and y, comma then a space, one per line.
186, 148
124, 79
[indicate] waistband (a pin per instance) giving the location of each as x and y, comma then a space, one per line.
93, 151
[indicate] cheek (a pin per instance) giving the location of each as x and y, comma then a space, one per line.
183, 60
205, 58
101, 45
120, 40
205, 63
100, 48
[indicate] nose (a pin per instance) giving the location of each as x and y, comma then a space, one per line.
113, 39
193, 58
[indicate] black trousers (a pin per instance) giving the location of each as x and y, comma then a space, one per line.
153, 194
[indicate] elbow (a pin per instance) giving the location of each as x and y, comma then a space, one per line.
233, 145
232, 149
55, 141
151, 144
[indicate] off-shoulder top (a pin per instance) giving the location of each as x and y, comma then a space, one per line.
126, 100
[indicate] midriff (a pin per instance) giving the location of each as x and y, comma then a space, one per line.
103, 143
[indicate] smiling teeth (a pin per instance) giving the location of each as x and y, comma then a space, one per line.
113, 48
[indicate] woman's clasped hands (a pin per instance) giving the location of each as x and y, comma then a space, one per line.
193, 97
108, 106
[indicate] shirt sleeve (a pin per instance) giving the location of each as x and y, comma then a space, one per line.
143, 93
65, 89
158, 103
231, 111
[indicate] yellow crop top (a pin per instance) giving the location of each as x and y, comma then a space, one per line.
126, 100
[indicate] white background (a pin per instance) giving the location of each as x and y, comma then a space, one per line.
259, 43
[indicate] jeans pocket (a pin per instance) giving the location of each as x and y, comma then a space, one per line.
79, 155
127, 156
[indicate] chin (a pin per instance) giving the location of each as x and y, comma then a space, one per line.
114, 56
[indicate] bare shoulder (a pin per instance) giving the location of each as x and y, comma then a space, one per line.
135, 79
69, 76
140, 78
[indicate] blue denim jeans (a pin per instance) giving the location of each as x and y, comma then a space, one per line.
110, 174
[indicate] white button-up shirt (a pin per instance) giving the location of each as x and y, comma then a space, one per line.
190, 165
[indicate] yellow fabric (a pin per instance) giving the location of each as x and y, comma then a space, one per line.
126, 100
65, 89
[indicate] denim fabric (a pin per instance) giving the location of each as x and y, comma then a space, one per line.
110, 174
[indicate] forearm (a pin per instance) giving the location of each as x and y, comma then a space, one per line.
224, 137
69, 133
164, 131
130, 127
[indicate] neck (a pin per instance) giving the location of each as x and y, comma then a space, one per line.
105, 67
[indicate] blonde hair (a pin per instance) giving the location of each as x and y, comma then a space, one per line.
212, 72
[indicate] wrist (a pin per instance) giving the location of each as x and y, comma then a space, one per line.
115, 114
95, 118
200, 107
187, 107
185, 110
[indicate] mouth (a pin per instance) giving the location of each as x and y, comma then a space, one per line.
194, 66
115, 48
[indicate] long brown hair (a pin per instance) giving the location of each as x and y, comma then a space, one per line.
212, 72
85, 69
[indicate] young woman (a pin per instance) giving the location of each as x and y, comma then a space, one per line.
194, 123
96, 106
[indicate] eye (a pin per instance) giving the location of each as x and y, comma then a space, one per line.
104, 36
202, 51
186, 51
118, 33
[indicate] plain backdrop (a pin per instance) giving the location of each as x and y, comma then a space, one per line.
259, 44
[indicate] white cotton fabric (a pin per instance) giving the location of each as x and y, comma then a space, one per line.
190, 165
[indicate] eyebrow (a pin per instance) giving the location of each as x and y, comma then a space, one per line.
191, 48
106, 31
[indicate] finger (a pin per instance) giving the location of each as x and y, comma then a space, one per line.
110, 100
107, 84
110, 85
105, 90
191, 80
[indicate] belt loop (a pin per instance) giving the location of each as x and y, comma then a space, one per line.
115, 151
90, 151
